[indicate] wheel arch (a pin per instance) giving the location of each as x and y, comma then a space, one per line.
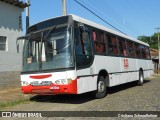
140, 69
105, 74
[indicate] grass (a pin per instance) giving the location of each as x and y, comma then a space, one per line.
157, 75
13, 103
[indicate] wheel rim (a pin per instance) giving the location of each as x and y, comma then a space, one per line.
141, 78
101, 86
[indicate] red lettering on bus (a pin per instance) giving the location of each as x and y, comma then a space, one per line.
126, 65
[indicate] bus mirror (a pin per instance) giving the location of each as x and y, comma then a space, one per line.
81, 27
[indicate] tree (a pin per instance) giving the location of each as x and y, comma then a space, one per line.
152, 40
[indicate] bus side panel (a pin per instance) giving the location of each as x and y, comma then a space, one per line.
151, 67
87, 80
111, 65
118, 72
146, 66
121, 78
86, 84
130, 70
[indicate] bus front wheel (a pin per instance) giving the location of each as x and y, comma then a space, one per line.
101, 88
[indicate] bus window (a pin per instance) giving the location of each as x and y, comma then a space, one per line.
137, 49
99, 43
94, 35
147, 50
101, 36
130, 49
112, 45
83, 47
113, 39
143, 51
122, 47
84, 36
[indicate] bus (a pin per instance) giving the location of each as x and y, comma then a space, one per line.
72, 55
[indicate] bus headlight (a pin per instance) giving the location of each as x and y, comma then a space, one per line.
24, 83
63, 81
69, 81
58, 81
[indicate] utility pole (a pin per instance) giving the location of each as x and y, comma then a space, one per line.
158, 43
158, 47
64, 10
27, 14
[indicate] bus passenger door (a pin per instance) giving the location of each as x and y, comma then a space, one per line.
84, 55
84, 59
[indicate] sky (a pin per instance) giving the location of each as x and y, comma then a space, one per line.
133, 17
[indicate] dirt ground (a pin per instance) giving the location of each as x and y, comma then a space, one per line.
10, 87
127, 97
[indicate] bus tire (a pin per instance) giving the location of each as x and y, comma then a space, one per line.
141, 78
101, 88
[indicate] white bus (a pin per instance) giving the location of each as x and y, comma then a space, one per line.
72, 55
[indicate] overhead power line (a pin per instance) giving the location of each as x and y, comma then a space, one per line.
99, 17
118, 19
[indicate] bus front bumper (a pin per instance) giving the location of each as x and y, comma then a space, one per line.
53, 89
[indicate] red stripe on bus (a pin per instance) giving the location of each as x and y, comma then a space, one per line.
40, 76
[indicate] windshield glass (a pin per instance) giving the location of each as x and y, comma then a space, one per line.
48, 49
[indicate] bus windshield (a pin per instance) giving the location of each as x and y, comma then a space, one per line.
48, 49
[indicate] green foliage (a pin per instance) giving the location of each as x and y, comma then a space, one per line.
152, 40
13, 103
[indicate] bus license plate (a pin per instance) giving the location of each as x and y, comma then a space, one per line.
54, 88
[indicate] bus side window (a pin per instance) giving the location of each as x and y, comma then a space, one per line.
122, 47
86, 47
147, 50
130, 49
99, 43
110, 49
137, 49
94, 35
78, 43
112, 45
83, 46
144, 52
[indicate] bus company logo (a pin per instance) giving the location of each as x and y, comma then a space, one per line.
6, 114
126, 65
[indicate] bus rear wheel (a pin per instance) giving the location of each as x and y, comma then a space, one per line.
141, 78
101, 88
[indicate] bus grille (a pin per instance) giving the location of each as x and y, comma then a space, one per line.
43, 83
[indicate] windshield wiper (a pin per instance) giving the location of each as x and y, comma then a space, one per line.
46, 36
43, 39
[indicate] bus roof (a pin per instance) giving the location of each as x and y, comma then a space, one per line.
90, 23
